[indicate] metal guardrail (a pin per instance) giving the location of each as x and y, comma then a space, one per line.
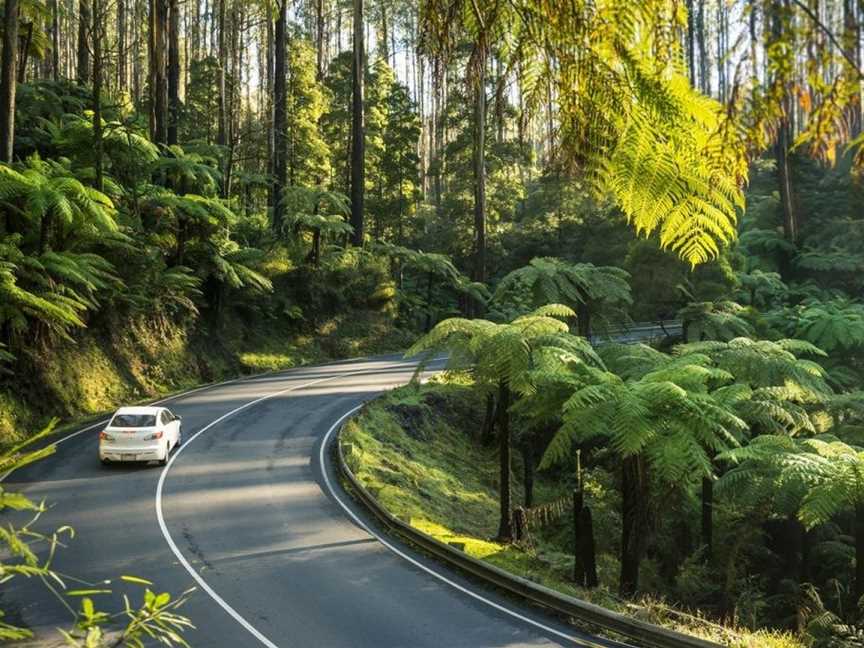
645, 634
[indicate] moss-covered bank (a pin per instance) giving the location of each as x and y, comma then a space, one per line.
132, 361
416, 451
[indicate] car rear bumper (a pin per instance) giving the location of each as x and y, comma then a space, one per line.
140, 453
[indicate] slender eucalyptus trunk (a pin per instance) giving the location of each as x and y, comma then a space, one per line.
505, 525
158, 71
358, 144
96, 34
222, 135
25, 52
85, 20
122, 52
479, 167
7, 80
280, 99
55, 40
173, 70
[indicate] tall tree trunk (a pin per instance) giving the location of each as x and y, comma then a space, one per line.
25, 52
479, 167
7, 80
505, 525
84, 22
358, 144
584, 549
222, 135
158, 42
319, 39
708, 517
55, 40
691, 43
96, 35
528, 470
383, 44
173, 69
122, 52
280, 99
583, 320
859, 551
852, 49
704, 77
781, 149
634, 517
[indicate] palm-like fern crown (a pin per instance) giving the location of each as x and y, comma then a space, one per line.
49, 189
825, 472
832, 324
502, 353
548, 280
715, 320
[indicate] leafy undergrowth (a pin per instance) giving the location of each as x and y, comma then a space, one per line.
100, 371
413, 452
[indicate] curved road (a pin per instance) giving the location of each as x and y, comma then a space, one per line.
247, 513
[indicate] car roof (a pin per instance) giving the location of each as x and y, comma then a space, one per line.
139, 410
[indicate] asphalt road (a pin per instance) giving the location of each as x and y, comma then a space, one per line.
244, 513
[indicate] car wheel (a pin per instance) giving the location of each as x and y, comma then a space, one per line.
104, 462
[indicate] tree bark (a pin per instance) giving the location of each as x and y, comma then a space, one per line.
280, 99
859, 551
55, 40
704, 77
691, 43
708, 517
158, 71
173, 70
319, 39
479, 167
528, 471
222, 134
358, 144
96, 35
634, 527
7, 80
85, 20
122, 79
505, 525
584, 548
25, 52
583, 320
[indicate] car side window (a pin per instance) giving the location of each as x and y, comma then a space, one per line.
166, 417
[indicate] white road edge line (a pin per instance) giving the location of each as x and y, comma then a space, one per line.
416, 563
161, 518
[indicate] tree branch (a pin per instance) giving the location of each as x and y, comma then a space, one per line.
807, 10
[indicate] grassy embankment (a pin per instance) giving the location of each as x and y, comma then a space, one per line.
98, 371
412, 450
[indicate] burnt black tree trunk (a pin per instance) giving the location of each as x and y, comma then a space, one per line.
358, 143
7, 80
584, 550
505, 525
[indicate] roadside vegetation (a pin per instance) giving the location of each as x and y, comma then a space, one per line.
190, 191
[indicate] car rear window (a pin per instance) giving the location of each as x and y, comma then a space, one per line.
134, 420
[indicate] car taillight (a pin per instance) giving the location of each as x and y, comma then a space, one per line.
104, 436
155, 435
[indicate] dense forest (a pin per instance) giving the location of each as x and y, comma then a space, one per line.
505, 180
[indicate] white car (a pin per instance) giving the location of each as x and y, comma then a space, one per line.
140, 434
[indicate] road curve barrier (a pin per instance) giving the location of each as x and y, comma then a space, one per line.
646, 635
